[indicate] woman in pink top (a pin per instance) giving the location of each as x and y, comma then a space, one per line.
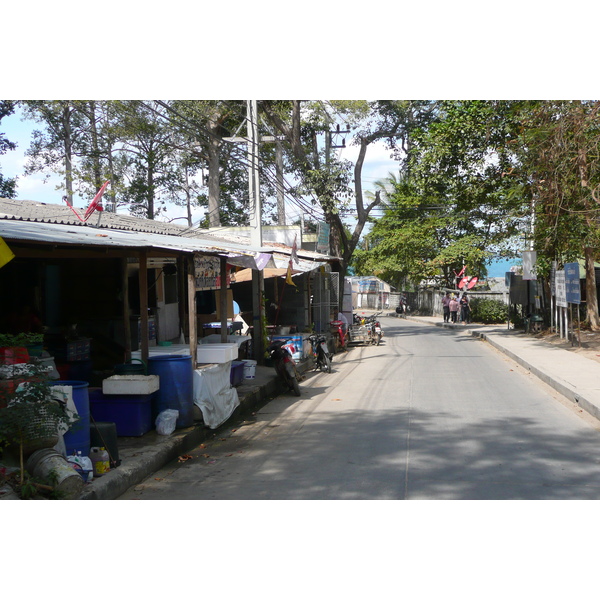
453, 309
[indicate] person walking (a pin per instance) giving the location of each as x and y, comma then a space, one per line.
453, 306
446, 307
465, 309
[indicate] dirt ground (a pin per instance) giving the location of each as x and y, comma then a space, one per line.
590, 342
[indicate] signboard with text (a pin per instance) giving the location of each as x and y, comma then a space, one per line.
561, 289
573, 289
323, 237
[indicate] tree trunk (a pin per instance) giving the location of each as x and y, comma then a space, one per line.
591, 294
214, 166
68, 143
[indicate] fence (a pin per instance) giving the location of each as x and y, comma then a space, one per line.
429, 302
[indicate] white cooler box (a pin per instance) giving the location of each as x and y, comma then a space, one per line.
216, 353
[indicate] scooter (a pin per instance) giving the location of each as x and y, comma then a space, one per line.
321, 352
374, 328
284, 364
337, 328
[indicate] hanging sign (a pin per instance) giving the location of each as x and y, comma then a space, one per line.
208, 273
323, 237
561, 289
573, 290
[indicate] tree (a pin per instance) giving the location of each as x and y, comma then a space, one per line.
559, 171
450, 206
327, 178
8, 186
53, 148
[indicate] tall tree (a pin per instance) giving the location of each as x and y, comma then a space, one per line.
560, 172
52, 149
451, 207
7, 185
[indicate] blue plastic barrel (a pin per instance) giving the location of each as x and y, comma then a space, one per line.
176, 386
78, 437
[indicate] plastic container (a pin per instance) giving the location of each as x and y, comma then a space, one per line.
44, 462
131, 368
104, 434
78, 436
131, 413
236, 375
249, 369
176, 386
100, 461
13, 355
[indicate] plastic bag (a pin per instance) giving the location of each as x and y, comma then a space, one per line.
166, 420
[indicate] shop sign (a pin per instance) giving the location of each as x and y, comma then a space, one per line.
208, 273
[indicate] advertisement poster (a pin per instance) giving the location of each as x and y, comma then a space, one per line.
208, 273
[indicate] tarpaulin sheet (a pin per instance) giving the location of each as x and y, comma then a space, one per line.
213, 393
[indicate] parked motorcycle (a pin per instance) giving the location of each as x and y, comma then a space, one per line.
284, 363
340, 336
320, 352
374, 329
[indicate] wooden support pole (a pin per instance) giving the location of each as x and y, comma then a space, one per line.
125, 308
144, 333
193, 322
223, 299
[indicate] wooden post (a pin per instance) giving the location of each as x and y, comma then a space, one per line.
144, 306
192, 312
223, 299
125, 307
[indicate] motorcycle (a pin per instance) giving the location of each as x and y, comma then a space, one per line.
374, 329
285, 366
321, 352
340, 336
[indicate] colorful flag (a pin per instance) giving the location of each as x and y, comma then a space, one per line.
6, 254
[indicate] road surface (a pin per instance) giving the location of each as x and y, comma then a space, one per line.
428, 414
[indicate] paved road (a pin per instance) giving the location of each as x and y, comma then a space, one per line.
429, 414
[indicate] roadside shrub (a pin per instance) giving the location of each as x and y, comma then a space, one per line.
486, 310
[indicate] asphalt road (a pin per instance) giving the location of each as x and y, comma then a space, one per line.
428, 414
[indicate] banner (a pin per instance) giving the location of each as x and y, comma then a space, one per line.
6, 254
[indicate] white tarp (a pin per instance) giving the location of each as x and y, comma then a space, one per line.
213, 393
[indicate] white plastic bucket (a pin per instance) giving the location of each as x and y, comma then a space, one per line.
249, 369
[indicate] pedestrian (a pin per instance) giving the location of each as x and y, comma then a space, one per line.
465, 309
446, 307
453, 306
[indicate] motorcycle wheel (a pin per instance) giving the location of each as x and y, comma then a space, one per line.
295, 386
326, 363
378, 338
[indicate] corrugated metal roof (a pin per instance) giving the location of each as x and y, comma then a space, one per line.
57, 224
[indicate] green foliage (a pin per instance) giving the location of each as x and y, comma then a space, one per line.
8, 340
7, 186
487, 310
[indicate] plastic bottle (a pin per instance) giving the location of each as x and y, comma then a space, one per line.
100, 461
